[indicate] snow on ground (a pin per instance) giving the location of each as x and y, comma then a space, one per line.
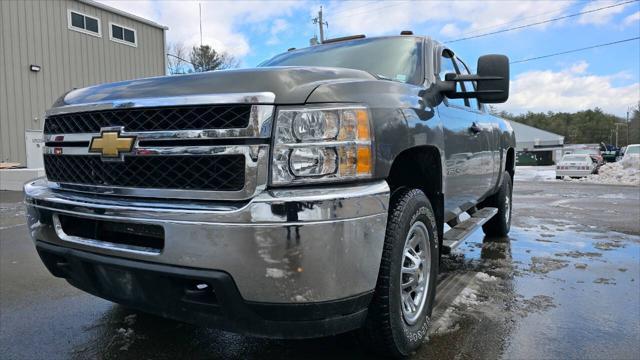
535, 173
448, 321
619, 173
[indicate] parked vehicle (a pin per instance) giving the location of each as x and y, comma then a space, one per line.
303, 198
595, 154
632, 150
631, 158
576, 166
610, 153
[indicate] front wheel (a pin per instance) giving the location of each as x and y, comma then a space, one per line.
500, 224
398, 317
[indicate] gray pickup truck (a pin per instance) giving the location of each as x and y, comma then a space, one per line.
306, 197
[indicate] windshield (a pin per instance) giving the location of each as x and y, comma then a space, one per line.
631, 149
395, 58
575, 158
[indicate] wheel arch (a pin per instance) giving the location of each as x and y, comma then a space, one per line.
420, 167
510, 164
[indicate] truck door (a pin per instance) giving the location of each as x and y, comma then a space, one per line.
490, 134
467, 145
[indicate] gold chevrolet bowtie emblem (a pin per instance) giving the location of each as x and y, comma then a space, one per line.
110, 144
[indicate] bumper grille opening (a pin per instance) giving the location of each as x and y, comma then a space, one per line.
214, 173
142, 236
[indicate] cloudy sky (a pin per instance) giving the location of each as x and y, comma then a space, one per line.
607, 77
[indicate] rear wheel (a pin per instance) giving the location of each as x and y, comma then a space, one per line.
500, 224
398, 316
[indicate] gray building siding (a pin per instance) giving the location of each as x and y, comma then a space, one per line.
36, 32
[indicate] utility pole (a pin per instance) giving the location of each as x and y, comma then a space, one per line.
200, 7
617, 128
628, 108
321, 24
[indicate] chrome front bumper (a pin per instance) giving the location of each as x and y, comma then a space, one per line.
283, 246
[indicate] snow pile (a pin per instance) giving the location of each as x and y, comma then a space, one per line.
618, 173
632, 161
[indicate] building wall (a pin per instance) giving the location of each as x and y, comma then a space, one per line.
36, 32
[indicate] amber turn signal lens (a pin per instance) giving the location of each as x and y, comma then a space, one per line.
363, 125
364, 160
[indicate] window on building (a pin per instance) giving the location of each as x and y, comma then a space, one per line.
123, 34
84, 23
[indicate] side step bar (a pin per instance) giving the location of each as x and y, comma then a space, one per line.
456, 235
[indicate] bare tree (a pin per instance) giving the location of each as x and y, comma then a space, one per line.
206, 58
176, 58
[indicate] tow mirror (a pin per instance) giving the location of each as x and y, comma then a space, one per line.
492, 81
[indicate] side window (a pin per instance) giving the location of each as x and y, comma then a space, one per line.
469, 85
447, 66
83, 23
123, 34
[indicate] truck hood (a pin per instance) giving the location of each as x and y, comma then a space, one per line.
291, 85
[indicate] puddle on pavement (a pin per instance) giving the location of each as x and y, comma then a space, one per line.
573, 295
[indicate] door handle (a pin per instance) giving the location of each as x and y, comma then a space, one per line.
475, 128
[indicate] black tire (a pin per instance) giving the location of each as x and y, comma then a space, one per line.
500, 224
386, 329
558, 177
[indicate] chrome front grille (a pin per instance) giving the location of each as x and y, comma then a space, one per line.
194, 117
185, 147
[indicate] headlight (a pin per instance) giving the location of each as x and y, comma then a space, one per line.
322, 143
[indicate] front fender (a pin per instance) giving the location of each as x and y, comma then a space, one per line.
403, 117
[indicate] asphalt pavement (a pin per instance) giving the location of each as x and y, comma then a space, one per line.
565, 284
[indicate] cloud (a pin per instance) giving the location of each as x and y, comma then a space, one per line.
278, 26
579, 67
571, 89
376, 18
450, 30
603, 16
222, 21
631, 18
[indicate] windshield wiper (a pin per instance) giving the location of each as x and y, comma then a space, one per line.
383, 77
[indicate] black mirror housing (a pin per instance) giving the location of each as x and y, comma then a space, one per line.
492, 81
495, 90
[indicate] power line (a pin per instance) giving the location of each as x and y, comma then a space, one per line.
541, 22
360, 6
179, 58
574, 50
346, 13
560, 9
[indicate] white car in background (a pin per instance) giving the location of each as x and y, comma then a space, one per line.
631, 157
576, 165
632, 150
